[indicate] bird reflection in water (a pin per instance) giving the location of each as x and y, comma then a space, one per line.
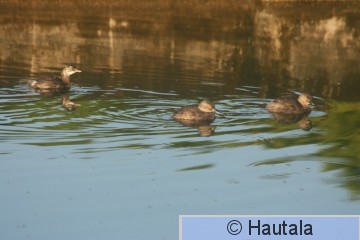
302, 120
205, 128
67, 104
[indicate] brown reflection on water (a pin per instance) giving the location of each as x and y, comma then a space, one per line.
316, 52
277, 46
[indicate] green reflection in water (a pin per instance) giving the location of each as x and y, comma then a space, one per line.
340, 135
342, 127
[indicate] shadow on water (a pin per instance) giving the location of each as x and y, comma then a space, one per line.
142, 60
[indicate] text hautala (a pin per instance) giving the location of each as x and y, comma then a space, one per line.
280, 228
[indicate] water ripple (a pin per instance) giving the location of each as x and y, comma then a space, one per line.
132, 118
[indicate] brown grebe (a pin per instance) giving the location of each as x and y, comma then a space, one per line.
203, 112
56, 83
291, 104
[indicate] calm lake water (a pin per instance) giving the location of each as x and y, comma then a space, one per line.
118, 167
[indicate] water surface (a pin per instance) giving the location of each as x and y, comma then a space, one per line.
119, 163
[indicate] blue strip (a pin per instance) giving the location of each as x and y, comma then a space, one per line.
279, 228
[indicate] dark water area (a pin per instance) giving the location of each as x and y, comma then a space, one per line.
119, 161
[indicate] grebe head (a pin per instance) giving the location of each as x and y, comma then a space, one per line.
207, 106
69, 70
305, 100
